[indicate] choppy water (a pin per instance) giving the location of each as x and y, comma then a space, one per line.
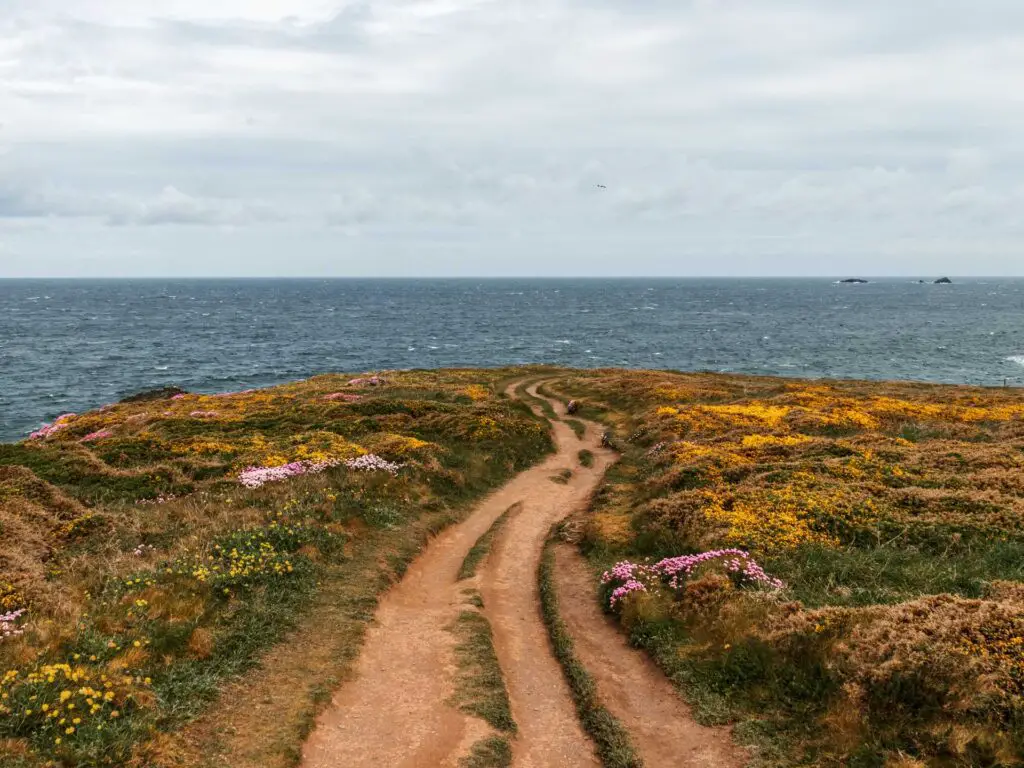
73, 345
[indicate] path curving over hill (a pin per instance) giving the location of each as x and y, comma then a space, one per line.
395, 711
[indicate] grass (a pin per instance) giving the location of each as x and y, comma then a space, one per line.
578, 427
479, 685
563, 476
493, 752
611, 738
522, 392
482, 547
139, 551
586, 458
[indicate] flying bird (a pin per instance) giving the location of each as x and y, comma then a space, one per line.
601, 186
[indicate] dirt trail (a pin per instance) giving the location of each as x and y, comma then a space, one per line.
550, 733
394, 712
630, 685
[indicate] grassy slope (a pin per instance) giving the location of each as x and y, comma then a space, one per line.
155, 605
893, 514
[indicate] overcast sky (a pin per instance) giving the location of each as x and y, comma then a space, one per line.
468, 137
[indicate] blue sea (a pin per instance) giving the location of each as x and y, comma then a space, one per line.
77, 344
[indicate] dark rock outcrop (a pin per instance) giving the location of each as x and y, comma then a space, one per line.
943, 281
165, 393
857, 280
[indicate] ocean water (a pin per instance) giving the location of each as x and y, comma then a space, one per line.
77, 344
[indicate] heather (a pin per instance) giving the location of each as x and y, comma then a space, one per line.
153, 549
837, 567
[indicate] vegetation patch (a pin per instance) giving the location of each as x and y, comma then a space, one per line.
578, 427
586, 458
563, 476
523, 393
494, 752
482, 547
146, 565
612, 739
479, 685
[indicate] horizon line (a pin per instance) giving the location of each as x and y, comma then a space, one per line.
511, 277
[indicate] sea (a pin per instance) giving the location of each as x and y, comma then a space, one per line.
72, 345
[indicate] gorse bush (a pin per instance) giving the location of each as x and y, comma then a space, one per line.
889, 519
155, 547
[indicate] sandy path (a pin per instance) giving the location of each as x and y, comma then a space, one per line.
630, 685
394, 713
550, 734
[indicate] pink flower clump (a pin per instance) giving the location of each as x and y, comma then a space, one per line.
61, 422
8, 623
734, 560
628, 575
179, 396
673, 571
345, 397
371, 462
256, 477
99, 435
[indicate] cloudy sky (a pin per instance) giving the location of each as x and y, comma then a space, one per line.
469, 137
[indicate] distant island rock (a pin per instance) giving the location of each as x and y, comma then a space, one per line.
857, 280
943, 281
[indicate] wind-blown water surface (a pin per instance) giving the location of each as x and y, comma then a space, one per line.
77, 344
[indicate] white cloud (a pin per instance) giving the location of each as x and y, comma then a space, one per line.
765, 131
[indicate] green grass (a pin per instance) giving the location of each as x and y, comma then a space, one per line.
495, 752
563, 476
820, 576
612, 739
578, 427
479, 685
480, 550
586, 458
546, 408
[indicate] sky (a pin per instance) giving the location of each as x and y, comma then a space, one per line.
511, 137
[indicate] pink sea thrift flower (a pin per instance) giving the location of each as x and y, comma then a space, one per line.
674, 571
99, 435
344, 397
256, 477
61, 422
8, 623
371, 462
